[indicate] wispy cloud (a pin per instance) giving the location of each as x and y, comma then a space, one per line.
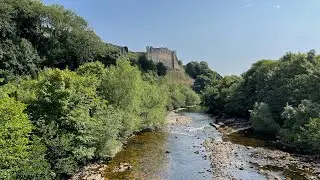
247, 5
277, 6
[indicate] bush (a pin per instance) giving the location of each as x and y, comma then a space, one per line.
192, 98
161, 69
176, 98
153, 107
53, 121
20, 157
69, 117
300, 125
122, 88
309, 138
14, 137
262, 119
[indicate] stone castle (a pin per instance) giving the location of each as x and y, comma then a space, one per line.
164, 55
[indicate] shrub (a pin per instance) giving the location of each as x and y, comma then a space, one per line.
20, 158
262, 119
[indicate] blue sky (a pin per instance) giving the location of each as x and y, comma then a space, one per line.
229, 34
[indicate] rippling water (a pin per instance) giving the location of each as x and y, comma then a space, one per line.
174, 153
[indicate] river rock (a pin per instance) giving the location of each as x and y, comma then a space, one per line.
122, 167
94, 177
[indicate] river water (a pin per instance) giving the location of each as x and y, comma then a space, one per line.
172, 153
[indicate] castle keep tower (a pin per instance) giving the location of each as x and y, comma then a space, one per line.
164, 55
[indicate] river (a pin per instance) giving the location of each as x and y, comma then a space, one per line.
176, 152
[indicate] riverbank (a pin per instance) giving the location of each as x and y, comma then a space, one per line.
99, 171
190, 147
173, 118
229, 159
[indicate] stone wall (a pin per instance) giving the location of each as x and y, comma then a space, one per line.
164, 55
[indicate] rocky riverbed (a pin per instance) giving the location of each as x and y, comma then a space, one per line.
120, 167
173, 118
189, 148
228, 159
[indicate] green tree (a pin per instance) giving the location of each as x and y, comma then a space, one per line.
295, 119
309, 138
262, 119
201, 82
153, 107
194, 69
146, 65
161, 69
20, 157
29, 30
221, 95
121, 87
68, 115
192, 98
176, 98
14, 137
18, 58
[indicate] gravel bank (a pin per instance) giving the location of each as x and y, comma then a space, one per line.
230, 160
175, 118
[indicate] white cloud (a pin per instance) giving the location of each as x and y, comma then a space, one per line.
277, 6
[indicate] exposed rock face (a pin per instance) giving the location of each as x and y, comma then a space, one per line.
164, 55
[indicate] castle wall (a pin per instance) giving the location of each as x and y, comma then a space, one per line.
164, 55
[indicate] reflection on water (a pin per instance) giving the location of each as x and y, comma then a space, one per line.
146, 152
174, 153
251, 138
177, 153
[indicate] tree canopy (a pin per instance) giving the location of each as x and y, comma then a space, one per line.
202, 74
68, 98
279, 96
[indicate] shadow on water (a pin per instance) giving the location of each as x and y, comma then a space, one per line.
196, 109
251, 138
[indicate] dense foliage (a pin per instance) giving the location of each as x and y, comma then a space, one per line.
146, 65
22, 156
68, 98
202, 75
80, 116
33, 36
280, 97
